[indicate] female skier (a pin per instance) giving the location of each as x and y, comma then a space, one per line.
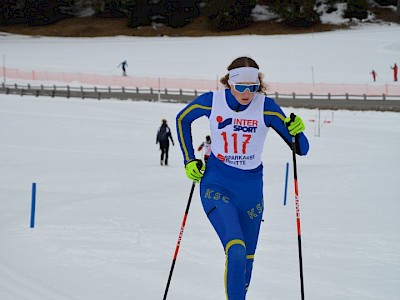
231, 187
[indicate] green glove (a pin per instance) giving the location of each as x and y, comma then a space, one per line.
294, 124
194, 169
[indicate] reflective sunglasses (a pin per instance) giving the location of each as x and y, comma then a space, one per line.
242, 87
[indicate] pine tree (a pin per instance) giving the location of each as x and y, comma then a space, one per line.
398, 9
44, 12
386, 2
12, 11
174, 13
139, 13
356, 9
230, 14
180, 12
299, 13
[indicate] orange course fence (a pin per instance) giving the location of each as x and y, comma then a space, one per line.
196, 84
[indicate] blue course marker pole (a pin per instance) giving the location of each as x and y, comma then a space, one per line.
286, 184
33, 205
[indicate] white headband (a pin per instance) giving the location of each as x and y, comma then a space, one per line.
243, 74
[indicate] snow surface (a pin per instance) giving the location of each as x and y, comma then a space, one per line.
108, 215
344, 56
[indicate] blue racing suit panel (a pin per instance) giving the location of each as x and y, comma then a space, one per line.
201, 106
234, 270
233, 201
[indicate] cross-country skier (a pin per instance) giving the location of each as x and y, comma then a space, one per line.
124, 64
231, 187
163, 137
374, 74
206, 147
395, 71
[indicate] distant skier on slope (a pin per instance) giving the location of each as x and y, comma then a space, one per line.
231, 187
395, 70
374, 75
206, 147
124, 64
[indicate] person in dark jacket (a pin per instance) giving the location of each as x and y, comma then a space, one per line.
163, 137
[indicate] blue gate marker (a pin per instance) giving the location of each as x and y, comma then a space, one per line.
286, 180
33, 205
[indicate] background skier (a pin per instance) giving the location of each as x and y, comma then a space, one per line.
163, 137
124, 64
374, 74
206, 147
395, 70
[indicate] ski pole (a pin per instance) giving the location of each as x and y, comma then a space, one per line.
297, 201
179, 240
